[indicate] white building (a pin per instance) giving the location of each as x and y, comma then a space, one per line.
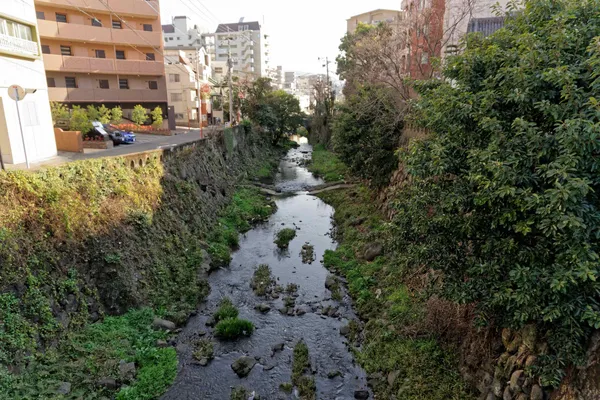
183, 33
277, 77
289, 82
248, 45
21, 64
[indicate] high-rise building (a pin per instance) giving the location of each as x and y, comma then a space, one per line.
276, 76
21, 64
248, 45
182, 33
103, 52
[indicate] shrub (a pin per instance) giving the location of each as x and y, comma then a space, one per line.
233, 328
157, 117
504, 194
93, 113
284, 237
139, 115
58, 111
225, 311
302, 131
116, 115
80, 120
104, 114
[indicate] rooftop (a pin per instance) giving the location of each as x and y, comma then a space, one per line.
235, 27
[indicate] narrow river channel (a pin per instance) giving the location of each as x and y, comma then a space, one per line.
328, 351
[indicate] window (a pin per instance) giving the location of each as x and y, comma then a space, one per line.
15, 29
45, 49
103, 84
189, 37
178, 38
174, 78
61, 17
218, 70
425, 58
100, 54
176, 97
96, 22
123, 84
150, 57
153, 85
117, 25
120, 54
178, 117
51, 82
65, 50
148, 27
70, 82
40, 15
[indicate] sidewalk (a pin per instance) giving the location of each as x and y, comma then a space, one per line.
144, 142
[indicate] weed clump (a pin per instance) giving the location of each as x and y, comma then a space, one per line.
284, 237
262, 280
233, 328
301, 365
225, 311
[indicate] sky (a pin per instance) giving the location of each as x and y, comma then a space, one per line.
300, 31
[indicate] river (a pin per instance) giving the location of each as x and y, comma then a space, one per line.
328, 350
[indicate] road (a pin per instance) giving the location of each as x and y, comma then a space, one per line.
144, 142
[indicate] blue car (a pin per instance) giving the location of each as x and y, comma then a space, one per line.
118, 136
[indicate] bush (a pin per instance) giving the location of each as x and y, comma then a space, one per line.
80, 121
233, 328
116, 115
139, 115
104, 114
327, 165
59, 111
157, 117
225, 311
284, 237
504, 199
302, 131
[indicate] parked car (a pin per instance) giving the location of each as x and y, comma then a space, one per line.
117, 136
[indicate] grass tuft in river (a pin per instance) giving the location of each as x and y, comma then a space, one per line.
300, 367
262, 280
284, 237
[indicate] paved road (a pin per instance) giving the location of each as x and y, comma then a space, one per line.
144, 142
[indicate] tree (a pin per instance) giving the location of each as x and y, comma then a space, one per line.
59, 111
93, 113
278, 113
157, 117
116, 115
366, 133
322, 116
104, 114
80, 120
503, 199
139, 115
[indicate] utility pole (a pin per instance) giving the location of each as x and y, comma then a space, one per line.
199, 93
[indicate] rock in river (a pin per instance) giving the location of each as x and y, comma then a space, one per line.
243, 365
361, 394
163, 324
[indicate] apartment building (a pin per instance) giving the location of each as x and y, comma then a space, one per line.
103, 52
21, 64
248, 45
277, 77
187, 72
183, 33
373, 18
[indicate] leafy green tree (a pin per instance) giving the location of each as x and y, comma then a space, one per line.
59, 111
157, 117
503, 198
93, 113
116, 115
104, 114
279, 113
366, 134
139, 115
80, 120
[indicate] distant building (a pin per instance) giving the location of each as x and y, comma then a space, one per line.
374, 17
182, 33
486, 26
277, 77
99, 55
248, 45
289, 82
21, 64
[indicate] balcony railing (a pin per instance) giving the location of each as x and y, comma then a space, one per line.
16, 45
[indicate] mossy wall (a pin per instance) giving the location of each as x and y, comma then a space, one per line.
101, 236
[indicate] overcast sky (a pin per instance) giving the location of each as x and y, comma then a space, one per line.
301, 31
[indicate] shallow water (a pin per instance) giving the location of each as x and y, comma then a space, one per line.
312, 219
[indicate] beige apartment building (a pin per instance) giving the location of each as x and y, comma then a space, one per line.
374, 18
103, 52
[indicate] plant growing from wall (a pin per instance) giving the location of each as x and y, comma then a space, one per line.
116, 115
157, 117
80, 120
139, 116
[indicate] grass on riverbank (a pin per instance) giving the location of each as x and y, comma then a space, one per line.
327, 165
395, 344
86, 357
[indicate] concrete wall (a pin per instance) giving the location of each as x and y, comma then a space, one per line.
28, 72
68, 140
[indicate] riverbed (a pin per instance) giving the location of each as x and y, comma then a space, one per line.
318, 326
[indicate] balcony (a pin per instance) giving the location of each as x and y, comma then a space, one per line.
89, 65
107, 95
18, 46
88, 33
135, 8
